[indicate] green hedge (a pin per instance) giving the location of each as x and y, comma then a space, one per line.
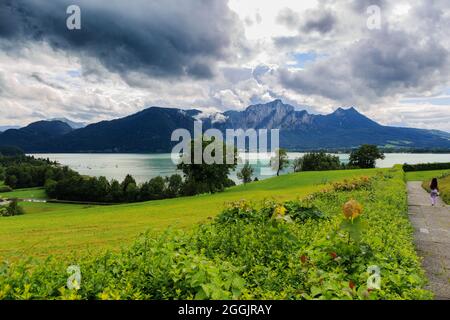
426, 166
293, 250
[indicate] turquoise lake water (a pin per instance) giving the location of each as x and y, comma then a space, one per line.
146, 166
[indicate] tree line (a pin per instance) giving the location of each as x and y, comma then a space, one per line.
364, 157
62, 183
93, 189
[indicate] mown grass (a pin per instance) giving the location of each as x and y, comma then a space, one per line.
425, 175
60, 229
37, 207
30, 193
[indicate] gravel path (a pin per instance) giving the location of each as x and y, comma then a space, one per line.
432, 238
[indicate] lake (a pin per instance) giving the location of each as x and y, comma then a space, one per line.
143, 167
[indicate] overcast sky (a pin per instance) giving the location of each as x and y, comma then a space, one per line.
219, 55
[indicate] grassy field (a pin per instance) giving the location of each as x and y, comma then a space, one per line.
32, 193
61, 229
33, 208
425, 175
247, 253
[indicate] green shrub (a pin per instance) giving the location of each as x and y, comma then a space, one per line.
13, 209
317, 161
426, 166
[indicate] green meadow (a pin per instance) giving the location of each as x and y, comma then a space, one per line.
64, 229
31, 193
425, 175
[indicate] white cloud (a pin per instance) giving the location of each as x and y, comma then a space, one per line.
37, 81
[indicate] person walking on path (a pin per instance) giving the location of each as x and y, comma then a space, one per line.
434, 191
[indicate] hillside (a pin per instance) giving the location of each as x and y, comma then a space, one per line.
48, 228
150, 131
36, 137
319, 248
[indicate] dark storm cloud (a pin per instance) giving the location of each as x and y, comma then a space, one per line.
387, 63
310, 24
320, 21
159, 38
402, 62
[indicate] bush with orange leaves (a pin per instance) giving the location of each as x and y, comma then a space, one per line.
352, 211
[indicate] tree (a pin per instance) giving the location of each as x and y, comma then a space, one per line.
127, 181
280, 161
319, 161
297, 164
14, 209
365, 156
10, 151
50, 188
246, 173
203, 177
103, 189
116, 193
131, 192
174, 185
11, 180
157, 188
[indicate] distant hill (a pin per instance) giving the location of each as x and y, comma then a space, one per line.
36, 137
150, 131
147, 131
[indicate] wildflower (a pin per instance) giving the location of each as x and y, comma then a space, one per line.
352, 209
351, 285
279, 211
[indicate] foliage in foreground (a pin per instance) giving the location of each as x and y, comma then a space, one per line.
318, 248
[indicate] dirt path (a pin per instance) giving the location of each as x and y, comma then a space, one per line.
432, 238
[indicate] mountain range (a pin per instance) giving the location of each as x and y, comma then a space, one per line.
150, 130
